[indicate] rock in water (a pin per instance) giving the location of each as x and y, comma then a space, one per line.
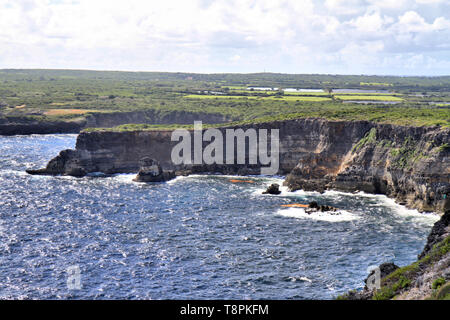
273, 189
313, 206
151, 171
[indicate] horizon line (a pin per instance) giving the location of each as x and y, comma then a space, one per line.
237, 73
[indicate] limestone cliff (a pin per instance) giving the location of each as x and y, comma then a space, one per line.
14, 125
410, 164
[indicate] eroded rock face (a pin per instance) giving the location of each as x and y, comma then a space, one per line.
13, 125
409, 164
151, 171
439, 232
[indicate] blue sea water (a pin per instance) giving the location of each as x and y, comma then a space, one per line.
197, 237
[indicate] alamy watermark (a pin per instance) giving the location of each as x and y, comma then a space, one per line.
74, 278
374, 279
236, 147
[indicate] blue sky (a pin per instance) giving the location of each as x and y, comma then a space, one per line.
399, 37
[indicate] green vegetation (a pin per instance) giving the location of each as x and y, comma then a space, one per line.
143, 127
406, 155
375, 84
443, 293
372, 97
275, 98
370, 137
71, 95
402, 278
305, 93
438, 283
444, 147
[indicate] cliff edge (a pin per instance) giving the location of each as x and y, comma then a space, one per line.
409, 164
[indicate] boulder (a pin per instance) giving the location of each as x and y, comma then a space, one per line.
151, 171
385, 269
313, 206
367, 293
273, 189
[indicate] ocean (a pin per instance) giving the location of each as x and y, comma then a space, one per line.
195, 237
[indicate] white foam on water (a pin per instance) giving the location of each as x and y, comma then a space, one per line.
405, 212
125, 177
384, 201
9, 172
303, 193
260, 189
300, 213
295, 279
177, 179
305, 279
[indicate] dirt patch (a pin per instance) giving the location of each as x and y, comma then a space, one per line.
61, 112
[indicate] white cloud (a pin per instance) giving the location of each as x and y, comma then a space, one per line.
345, 6
225, 35
430, 1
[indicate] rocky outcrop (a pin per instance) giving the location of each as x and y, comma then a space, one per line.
151, 171
274, 188
113, 119
409, 164
439, 232
315, 207
427, 278
18, 125
24, 125
367, 293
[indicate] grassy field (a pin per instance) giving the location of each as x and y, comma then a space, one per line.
376, 84
368, 97
273, 98
73, 94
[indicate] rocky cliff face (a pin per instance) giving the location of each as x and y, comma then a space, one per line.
409, 164
109, 120
24, 125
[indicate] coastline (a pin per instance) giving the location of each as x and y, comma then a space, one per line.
408, 164
315, 170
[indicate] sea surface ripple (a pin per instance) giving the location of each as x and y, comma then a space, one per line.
197, 237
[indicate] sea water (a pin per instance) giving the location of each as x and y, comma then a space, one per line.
196, 237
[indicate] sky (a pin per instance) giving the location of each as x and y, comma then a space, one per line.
390, 37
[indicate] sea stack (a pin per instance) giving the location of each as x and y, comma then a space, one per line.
274, 188
151, 171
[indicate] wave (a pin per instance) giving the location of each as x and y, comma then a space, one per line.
300, 213
382, 200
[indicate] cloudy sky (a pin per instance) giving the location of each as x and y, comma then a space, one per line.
402, 37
